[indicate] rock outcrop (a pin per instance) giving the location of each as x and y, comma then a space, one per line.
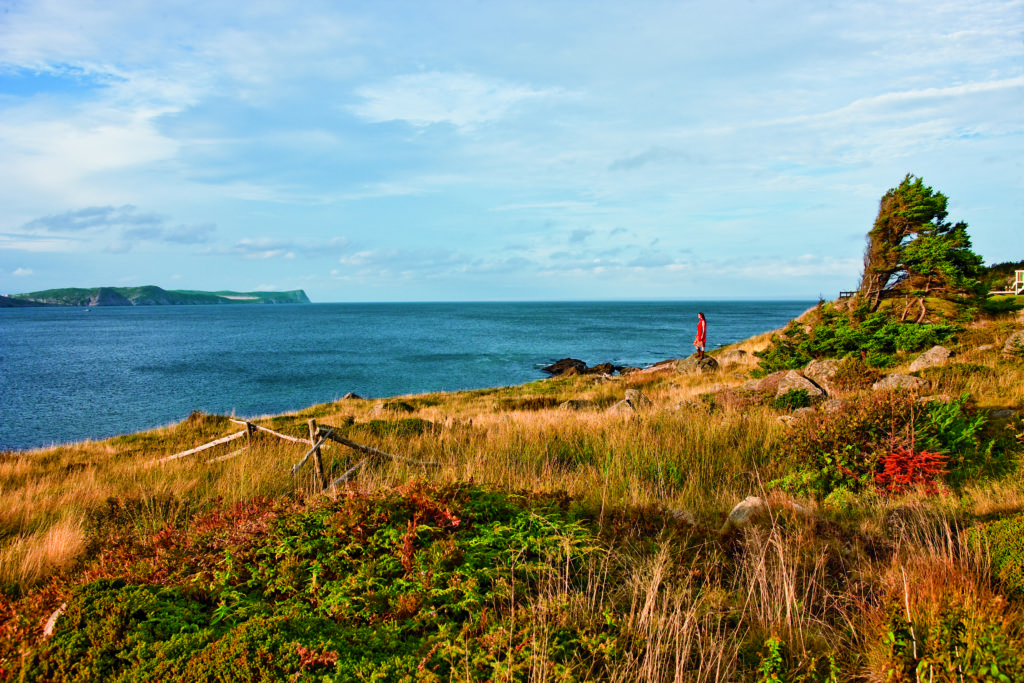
694, 366
900, 382
821, 372
937, 355
794, 381
1014, 346
567, 367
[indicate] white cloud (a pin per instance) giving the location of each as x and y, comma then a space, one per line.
457, 98
22, 272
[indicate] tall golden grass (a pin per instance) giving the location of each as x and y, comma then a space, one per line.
687, 456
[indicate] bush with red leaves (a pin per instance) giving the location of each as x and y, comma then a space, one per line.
903, 469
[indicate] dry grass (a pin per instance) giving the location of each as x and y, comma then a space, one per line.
698, 449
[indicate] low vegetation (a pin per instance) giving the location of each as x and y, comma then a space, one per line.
554, 531
547, 544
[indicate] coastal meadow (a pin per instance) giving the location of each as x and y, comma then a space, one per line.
538, 532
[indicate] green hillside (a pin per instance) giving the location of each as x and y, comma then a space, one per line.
148, 295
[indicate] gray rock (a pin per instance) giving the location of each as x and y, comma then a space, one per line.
638, 399
755, 511
623, 406
1014, 346
794, 381
1003, 414
986, 347
770, 383
695, 366
751, 511
833, 405
937, 355
801, 413
900, 382
822, 371
51, 623
576, 404
350, 395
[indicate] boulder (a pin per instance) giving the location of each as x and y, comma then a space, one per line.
696, 366
755, 511
623, 406
794, 381
822, 371
350, 396
751, 511
562, 367
638, 399
986, 347
937, 355
1014, 345
801, 413
770, 383
900, 382
833, 405
567, 367
1003, 414
602, 369
576, 404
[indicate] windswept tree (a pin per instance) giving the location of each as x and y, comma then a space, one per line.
914, 250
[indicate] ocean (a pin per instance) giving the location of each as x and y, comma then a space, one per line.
70, 374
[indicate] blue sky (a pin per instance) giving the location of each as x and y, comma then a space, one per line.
466, 150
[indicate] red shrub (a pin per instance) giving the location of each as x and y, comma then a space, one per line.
903, 469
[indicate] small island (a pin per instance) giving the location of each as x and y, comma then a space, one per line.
149, 295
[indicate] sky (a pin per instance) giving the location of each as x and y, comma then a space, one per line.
473, 150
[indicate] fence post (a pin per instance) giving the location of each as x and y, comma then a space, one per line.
317, 460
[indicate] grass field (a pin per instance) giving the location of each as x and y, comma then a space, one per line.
543, 543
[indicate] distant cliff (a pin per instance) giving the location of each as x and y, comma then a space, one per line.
146, 296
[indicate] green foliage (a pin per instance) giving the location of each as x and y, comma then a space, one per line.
1004, 539
876, 337
426, 584
845, 450
913, 246
960, 645
779, 666
793, 399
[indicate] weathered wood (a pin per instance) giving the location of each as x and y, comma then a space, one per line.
225, 457
270, 431
350, 470
231, 437
379, 454
318, 462
323, 438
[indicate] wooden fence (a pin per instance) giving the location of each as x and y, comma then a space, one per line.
317, 438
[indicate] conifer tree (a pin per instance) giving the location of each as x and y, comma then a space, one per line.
913, 249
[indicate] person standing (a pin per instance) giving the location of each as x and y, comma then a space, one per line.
701, 339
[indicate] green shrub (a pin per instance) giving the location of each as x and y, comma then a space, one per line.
793, 399
960, 645
1005, 541
426, 583
875, 337
845, 450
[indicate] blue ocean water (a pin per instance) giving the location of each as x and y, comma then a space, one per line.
68, 374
